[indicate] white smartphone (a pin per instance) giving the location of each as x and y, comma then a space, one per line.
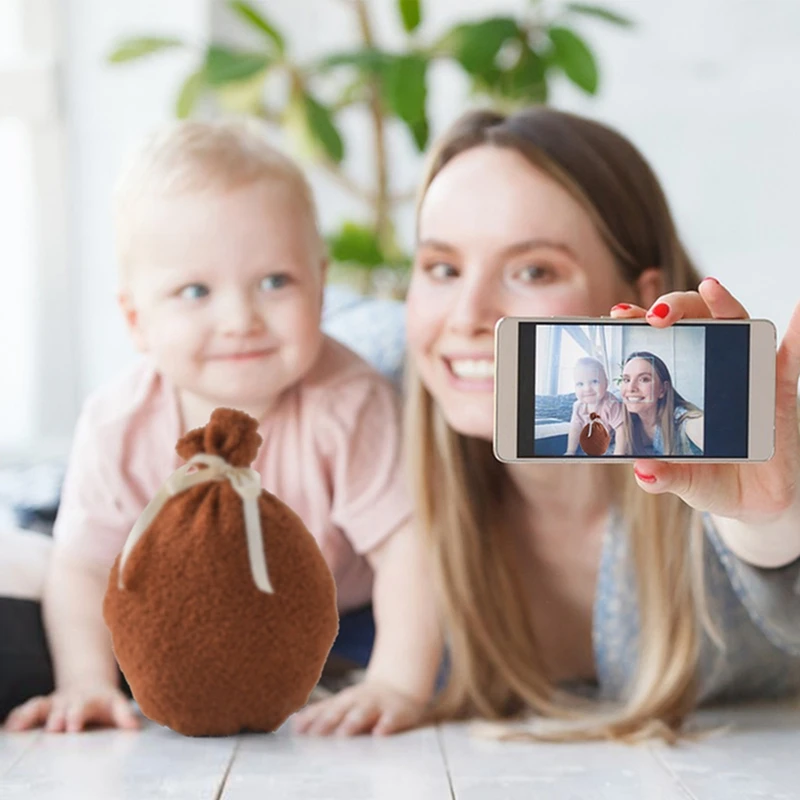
571, 388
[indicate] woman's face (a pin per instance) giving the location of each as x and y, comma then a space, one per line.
497, 237
641, 386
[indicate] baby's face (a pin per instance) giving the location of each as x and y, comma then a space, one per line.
225, 292
590, 384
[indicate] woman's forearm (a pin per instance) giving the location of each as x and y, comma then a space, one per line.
408, 645
770, 545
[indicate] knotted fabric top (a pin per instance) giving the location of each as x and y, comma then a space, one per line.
247, 484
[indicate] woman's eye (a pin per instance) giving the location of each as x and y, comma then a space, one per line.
534, 273
194, 291
272, 282
441, 271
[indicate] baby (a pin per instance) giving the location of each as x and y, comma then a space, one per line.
221, 286
591, 390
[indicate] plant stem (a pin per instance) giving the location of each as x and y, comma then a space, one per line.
382, 203
347, 182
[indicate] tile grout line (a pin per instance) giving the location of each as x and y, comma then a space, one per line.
226, 774
442, 751
672, 774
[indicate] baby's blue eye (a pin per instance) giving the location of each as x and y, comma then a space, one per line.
194, 291
272, 282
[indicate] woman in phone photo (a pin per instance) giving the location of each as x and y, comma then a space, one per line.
657, 420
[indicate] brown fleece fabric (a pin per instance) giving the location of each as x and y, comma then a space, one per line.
597, 443
205, 652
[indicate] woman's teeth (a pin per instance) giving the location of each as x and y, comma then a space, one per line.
472, 369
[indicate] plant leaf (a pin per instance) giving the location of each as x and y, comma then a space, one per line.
405, 92
138, 46
420, 131
224, 65
573, 55
526, 80
245, 96
255, 18
475, 45
356, 244
369, 60
411, 13
600, 13
190, 92
322, 127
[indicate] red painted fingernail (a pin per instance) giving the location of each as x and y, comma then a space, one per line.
620, 307
644, 477
661, 310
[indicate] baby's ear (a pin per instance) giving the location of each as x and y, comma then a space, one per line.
131, 316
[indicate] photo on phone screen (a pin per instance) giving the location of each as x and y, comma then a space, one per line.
616, 390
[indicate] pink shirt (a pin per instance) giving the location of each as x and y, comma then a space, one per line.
331, 452
609, 408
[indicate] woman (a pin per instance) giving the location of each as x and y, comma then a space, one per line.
576, 578
656, 420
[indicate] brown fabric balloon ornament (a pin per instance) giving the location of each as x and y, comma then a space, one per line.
221, 607
594, 436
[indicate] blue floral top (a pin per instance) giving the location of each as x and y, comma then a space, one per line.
684, 446
756, 612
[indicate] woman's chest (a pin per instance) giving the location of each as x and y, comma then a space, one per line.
561, 589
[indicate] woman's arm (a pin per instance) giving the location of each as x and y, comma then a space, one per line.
694, 427
770, 544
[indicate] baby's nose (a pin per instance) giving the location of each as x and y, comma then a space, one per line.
240, 316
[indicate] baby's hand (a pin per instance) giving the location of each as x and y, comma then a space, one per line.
369, 707
72, 710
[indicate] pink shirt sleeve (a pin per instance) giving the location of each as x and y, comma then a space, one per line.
370, 498
98, 505
613, 411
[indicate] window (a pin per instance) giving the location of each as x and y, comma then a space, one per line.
38, 378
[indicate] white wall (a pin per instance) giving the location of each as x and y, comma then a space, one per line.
706, 88
108, 109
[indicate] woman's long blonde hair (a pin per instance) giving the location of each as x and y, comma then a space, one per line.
665, 411
495, 668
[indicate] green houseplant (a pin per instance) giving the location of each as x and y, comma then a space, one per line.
509, 61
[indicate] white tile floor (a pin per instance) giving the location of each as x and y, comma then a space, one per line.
758, 758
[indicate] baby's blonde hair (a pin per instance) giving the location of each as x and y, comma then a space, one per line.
198, 156
588, 361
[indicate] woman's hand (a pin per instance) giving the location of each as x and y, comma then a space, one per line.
752, 493
369, 707
74, 709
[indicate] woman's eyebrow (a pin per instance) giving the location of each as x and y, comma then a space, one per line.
532, 244
437, 244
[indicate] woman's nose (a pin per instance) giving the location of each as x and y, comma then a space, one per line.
475, 310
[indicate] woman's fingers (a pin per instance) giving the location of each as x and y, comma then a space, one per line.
721, 303
788, 363
329, 718
707, 487
710, 300
359, 719
627, 311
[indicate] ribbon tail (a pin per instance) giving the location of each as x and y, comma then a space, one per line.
255, 545
142, 524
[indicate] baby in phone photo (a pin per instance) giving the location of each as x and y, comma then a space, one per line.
593, 397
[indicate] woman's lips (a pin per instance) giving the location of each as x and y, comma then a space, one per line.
470, 372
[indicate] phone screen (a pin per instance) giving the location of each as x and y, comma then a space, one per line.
615, 389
